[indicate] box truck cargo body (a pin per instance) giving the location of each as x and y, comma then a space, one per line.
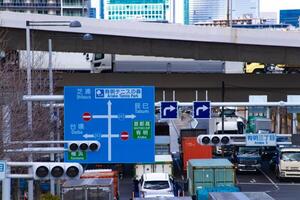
189, 147
163, 164
239, 196
209, 173
103, 174
88, 189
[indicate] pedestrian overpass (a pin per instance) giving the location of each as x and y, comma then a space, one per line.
154, 39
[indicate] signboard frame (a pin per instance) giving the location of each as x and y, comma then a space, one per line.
113, 110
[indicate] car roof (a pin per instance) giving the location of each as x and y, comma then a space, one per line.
155, 176
289, 149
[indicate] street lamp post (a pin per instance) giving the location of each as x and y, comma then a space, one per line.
71, 24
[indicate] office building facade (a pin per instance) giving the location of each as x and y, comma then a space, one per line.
204, 10
291, 17
208, 10
146, 10
52, 7
245, 9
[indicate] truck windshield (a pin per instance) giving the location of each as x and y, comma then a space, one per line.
248, 150
156, 185
290, 156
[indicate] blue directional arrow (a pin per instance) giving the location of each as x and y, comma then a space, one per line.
168, 110
201, 109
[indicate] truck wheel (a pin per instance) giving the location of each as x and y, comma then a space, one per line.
259, 71
277, 174
293, 71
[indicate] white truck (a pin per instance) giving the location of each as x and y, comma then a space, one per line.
287, 162
100, 63
163, 164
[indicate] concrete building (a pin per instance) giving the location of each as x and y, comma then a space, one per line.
204, 10
242, 9
148, 10
291, 17
271, 17
52, 7
208, 10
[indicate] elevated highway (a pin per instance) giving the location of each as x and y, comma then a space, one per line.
153, 39
237, 86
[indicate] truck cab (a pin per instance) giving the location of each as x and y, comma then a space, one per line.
287, 162
156, 185
247, 158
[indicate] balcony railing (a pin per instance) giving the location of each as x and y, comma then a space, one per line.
73, 5
31, 5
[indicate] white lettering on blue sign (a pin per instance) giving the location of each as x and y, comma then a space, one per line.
118, 93
141, 108
84, 93
77, 129
1, 167
260, 140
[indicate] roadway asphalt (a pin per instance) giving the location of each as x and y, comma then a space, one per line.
265, 181
262, 181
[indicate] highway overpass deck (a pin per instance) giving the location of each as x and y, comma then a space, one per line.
154, 39
237, 86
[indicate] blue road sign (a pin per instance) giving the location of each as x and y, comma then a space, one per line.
201, 109
260, 140
169, 110
122, 119
2, 169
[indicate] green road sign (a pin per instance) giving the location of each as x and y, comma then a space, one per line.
77, 155
142, 129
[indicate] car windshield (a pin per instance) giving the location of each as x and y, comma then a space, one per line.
290, 156
156, 185
248, 150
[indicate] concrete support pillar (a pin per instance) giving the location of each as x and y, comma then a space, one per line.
51, 12
278, 120
294, 123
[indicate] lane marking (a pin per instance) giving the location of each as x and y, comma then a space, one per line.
279, 184
253, 181
275, 185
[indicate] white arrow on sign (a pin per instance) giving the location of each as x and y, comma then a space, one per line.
170, 109
132, 116
202, 109
86, 136
109, 134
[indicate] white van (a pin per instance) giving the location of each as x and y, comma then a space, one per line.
156, 185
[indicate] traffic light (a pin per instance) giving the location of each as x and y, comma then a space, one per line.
43, 170
84, 145
215, 140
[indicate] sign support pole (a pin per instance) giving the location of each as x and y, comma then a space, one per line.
6, 189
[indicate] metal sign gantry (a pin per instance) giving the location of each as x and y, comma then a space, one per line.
261, 139
59, 98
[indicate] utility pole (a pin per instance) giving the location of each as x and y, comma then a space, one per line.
229, 13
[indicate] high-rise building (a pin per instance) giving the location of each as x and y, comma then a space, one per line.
53, 7
148, 10
291, 17
242, 9
208, 10
204, 10
92, 12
